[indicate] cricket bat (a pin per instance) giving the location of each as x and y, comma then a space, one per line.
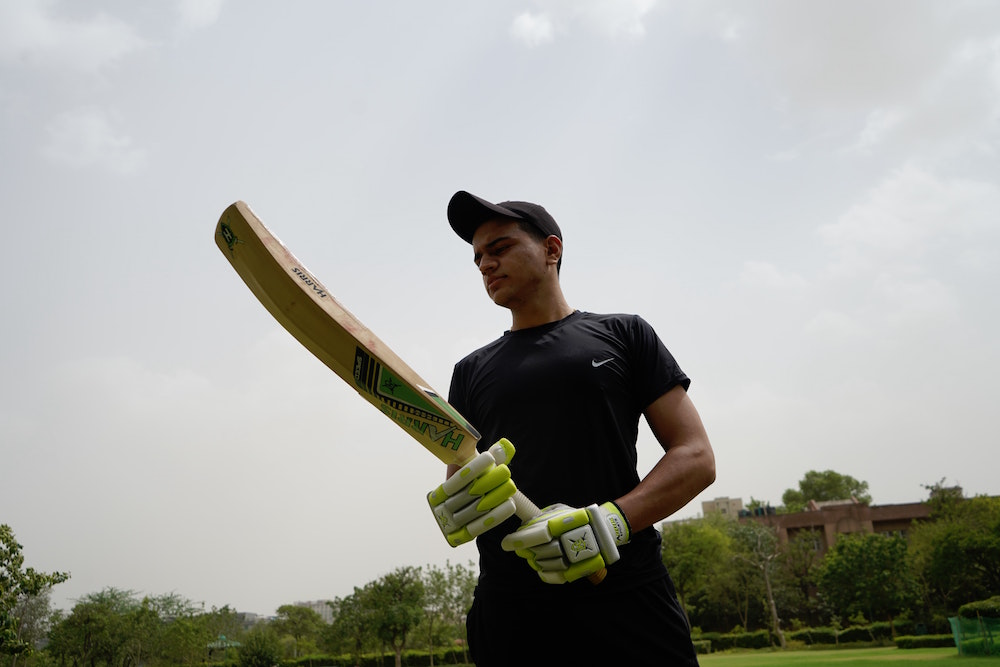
304, 307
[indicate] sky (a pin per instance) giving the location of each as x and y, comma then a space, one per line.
802, 198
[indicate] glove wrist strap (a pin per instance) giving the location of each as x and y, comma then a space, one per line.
621, 529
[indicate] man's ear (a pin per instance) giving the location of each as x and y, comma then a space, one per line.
553, 249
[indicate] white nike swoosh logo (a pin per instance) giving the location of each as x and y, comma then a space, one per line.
597, 364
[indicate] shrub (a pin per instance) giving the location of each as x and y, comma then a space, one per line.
259, 649
856, 633
814, 636
982, 608
925, 641
702, 646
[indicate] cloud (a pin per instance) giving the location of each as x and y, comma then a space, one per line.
197, 14
879, 123
88, 137
900, 76
532, 29
911, 213
614, 18
912, 256
30, 33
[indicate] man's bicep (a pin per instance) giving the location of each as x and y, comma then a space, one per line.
674, 420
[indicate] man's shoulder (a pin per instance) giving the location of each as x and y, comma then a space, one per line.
613, 321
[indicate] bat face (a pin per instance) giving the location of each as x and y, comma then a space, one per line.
307, 310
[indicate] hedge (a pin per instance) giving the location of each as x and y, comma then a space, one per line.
724, 642
702, 646
926, 641
411, 658
813, 636
989, 608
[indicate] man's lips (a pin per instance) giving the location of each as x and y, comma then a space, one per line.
491, 283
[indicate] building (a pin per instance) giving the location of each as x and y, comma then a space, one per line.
321, 607
827, 520
728, 507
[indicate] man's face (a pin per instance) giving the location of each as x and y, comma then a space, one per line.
512, 262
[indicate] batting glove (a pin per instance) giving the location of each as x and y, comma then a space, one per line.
564, 543
477, 497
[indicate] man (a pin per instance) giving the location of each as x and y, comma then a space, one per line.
567, 388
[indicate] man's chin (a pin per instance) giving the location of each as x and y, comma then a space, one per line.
499, 298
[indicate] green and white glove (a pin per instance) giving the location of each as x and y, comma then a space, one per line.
477, 497
565, 543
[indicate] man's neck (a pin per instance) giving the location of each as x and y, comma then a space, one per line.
537, 315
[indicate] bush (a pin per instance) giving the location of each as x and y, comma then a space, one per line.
983, 608
925, 641
260, 649
856, 633
814, 636
702, 646
978, 646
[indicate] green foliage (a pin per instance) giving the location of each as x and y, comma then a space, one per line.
925, 641
814, 636
398, 607
822, 486
18, 583
260, 648
867, 574
114, 627
733, 640
956, 554
302, 624
448, 596
697, 553
989, 608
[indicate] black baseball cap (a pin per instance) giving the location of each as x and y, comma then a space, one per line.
467, 211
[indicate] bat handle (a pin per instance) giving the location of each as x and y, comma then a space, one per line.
527, 510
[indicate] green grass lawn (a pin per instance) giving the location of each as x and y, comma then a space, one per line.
861, 657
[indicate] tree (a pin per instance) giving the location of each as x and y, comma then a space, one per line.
397, 607
33, 615
352, 623
301, 623
18, 584
759, 549
98, 629
867, 574
956, 554
822, 486
448, 595
260, 649
694, 551
800, 560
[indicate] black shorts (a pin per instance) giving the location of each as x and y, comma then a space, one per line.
642, 626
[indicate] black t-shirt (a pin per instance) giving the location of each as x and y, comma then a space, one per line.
569, 396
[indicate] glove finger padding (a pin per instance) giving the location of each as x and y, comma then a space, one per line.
477, 497
564, 544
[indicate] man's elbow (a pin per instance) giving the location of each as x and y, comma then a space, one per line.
706, 466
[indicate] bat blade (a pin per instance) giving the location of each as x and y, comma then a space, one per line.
308, 311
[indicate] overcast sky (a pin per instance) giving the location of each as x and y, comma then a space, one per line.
803, 198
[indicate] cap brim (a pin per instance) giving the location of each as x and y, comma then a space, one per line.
466, 212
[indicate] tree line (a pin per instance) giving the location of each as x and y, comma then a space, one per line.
729, 575
411, 607
738, 576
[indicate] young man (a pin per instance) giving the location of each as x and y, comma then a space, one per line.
567, 388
